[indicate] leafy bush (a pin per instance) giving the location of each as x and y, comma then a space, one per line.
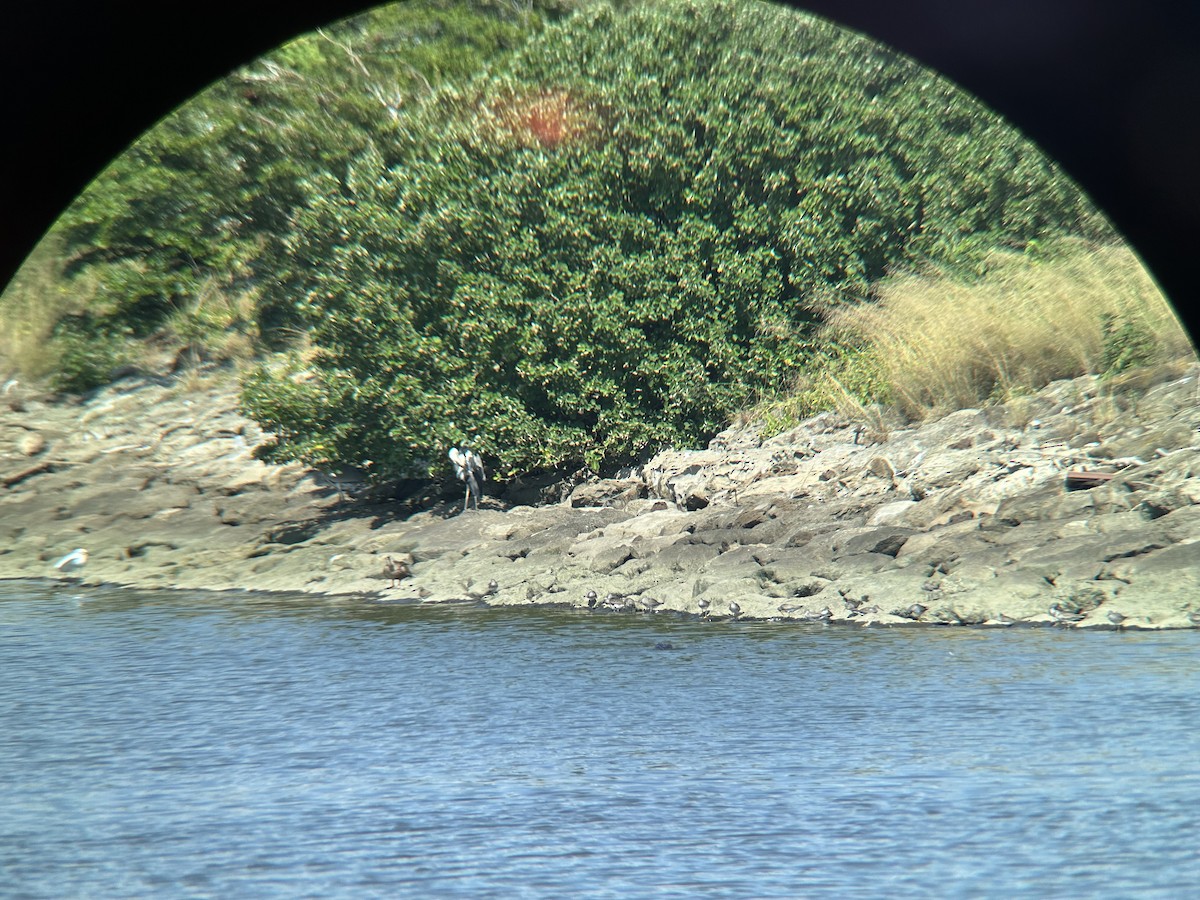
625, 234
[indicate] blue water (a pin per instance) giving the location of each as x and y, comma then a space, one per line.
220, 745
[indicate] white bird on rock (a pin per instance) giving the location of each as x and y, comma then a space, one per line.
469, 468
73, 561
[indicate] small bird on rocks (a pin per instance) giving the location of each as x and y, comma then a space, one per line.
851, 603
823, 616
734, 609
704, 605
591, 599
649, 604
1115, 617
73, 562
914, 612
395, 571
788, 608
1058, 614
493, 586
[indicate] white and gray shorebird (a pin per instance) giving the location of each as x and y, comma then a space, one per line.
735, 609
469, 468
73, 562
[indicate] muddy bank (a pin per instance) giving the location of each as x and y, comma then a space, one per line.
1078, 506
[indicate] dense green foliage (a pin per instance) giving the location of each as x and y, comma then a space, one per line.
200, 204
624, 233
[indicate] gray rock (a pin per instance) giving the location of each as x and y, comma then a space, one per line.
608, 492
31, 444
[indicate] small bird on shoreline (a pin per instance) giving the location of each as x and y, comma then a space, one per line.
1064, 616
618, 602
73, 562
395, 570
1115, 617
479, 593
591, 599
735, 610
704, 605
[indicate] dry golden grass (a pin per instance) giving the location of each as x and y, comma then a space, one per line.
30, 306
943, 344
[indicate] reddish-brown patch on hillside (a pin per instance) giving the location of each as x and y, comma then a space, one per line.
547, 118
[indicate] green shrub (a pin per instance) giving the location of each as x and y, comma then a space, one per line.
85, 355
623, 236
1128, 344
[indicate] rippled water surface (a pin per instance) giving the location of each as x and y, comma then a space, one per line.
216, 745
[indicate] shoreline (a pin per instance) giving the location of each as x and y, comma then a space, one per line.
969, 519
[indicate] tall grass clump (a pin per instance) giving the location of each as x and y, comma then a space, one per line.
48, 325
943, 343
30, 307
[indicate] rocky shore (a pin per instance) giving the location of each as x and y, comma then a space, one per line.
1077, 506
